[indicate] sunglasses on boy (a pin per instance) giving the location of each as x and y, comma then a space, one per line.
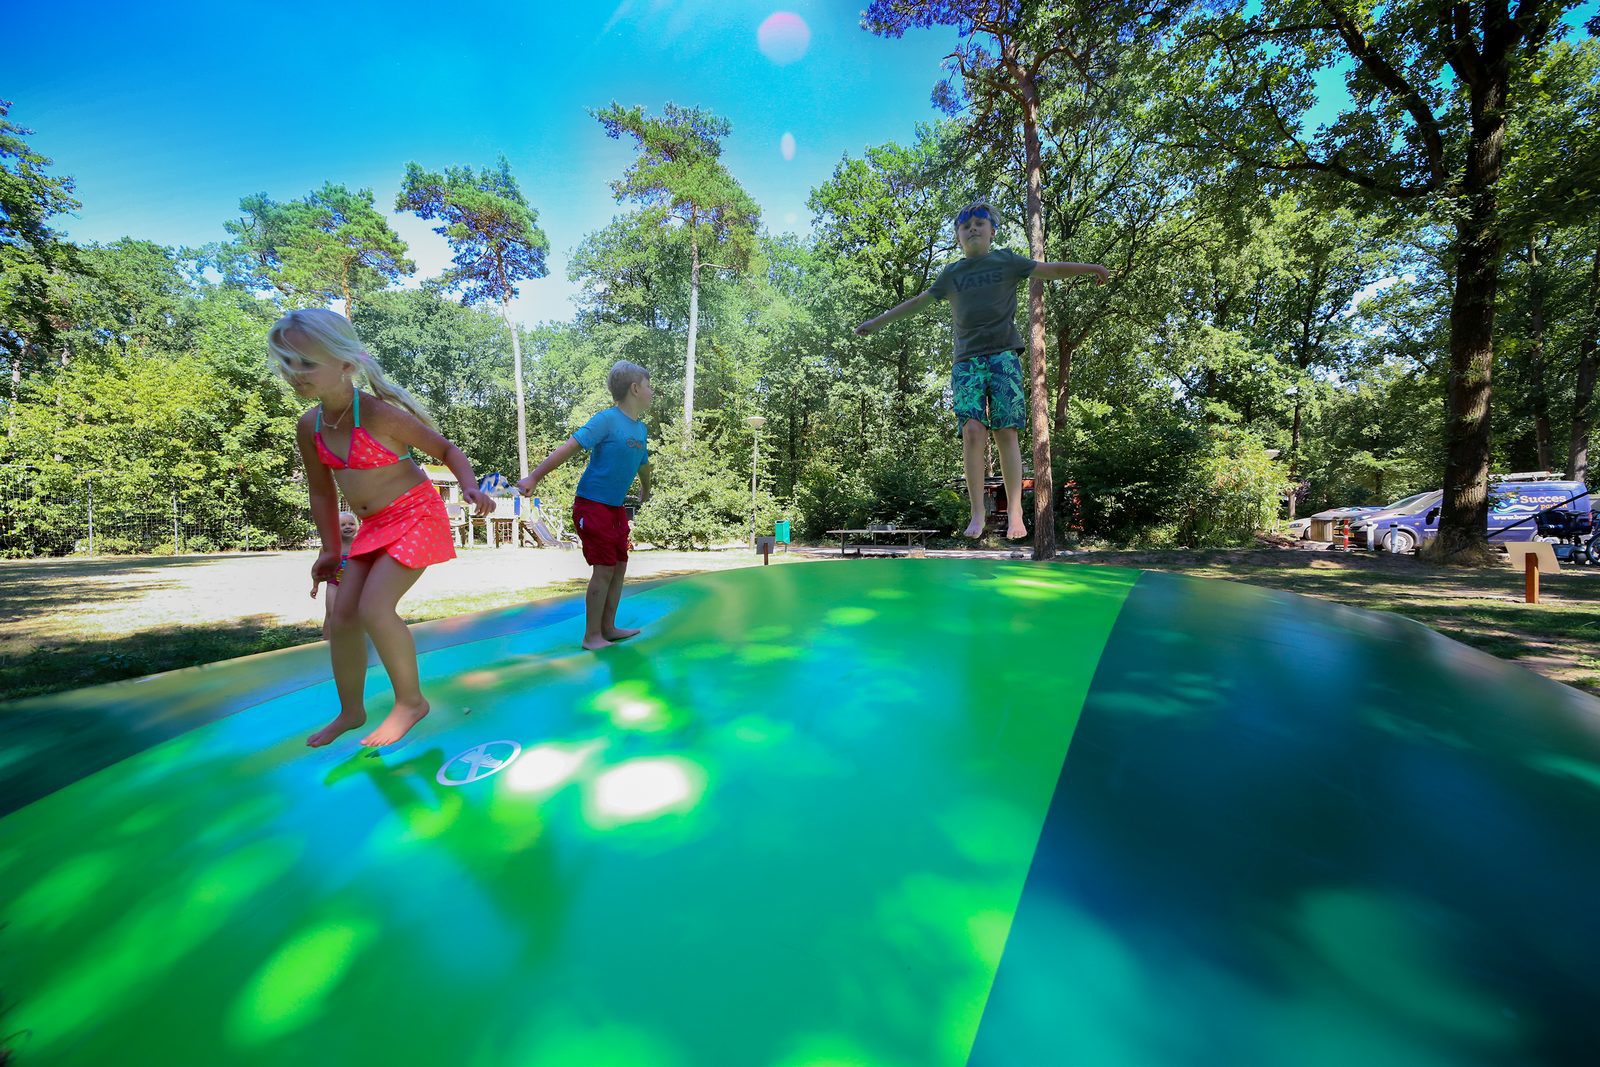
974, 213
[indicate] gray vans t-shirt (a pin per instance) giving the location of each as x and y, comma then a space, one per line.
983, 300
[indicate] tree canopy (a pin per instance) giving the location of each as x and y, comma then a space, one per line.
1354, 254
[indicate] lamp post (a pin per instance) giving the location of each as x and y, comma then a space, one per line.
755, 422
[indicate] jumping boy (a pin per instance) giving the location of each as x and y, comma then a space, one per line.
986, 381
615, 440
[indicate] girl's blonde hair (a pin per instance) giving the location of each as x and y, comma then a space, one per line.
323, 336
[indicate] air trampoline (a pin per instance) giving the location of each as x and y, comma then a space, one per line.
909, 812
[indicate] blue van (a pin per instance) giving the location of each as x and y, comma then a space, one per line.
1514, 500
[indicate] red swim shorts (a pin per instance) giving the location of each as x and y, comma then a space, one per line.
603, 529
414, 528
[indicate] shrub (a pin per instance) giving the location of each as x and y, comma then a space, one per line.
1133, 469
696, 500
829, 498
1235, 494
113, 546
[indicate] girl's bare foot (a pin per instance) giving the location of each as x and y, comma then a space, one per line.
594, 644
1016, 531
618, 633
974, 529
400, 720
347, 720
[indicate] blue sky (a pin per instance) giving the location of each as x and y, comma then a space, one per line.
166, 120
167, 114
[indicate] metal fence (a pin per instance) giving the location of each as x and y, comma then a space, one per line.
53, 515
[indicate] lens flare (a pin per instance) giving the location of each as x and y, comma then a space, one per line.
644, 788
786, 146
783, 37
546, 767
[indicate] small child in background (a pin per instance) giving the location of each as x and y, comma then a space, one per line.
348, 525
618, 451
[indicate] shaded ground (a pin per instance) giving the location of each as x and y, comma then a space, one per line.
71, 623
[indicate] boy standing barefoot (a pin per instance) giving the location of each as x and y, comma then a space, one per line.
616, 441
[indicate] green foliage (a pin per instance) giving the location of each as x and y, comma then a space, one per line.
154, 435
32, 255
1135, 467
1249, 308
331, 245
829, 498
696, 500
901, 487
1235, 493
456, 360
492, 231
679, 175
679, 178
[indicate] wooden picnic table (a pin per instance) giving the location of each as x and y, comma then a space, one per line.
872, 533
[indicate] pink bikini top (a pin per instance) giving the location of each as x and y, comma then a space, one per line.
365, 451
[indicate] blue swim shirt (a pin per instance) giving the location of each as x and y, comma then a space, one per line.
617, 449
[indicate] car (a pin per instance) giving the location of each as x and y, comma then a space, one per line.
1327, 525
1514, 501
1361, 526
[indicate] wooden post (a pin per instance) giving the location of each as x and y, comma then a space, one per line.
765, 545
1535, 556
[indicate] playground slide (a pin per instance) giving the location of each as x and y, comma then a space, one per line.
542, 534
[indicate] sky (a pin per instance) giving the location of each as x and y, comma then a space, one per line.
167, 114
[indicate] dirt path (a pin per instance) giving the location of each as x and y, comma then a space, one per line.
111, 596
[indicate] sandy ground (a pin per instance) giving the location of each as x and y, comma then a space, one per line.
111, 596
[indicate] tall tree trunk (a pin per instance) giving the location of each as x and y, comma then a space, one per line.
1302, 362
1464, 518
1063, 377
1294, 456
902, 381
516, 374
694, 330
1583, 399
1044, 516
1538, 398
794, 475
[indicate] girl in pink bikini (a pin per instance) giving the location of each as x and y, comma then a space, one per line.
359, 445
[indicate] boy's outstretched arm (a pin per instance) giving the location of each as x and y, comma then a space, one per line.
900, 310
1056, 271
562, 453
